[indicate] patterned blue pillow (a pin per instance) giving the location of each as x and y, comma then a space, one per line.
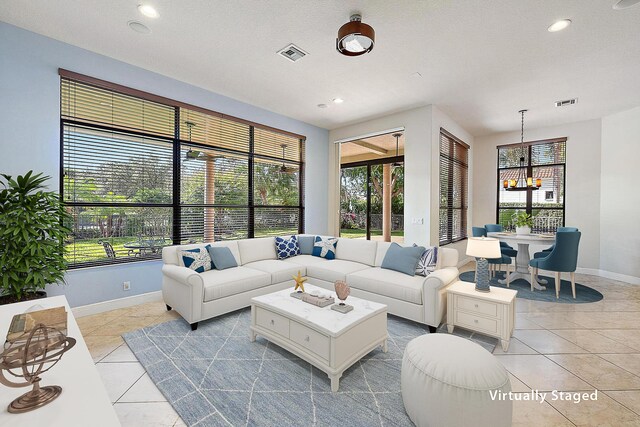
428, 260
197, 259
325, 247
286, 247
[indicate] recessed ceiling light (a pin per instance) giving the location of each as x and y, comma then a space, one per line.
322, 105
338, 100
139, 27
148, 10
623, 4
559, 25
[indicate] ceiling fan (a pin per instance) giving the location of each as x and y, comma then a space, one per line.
284, 168
192, 154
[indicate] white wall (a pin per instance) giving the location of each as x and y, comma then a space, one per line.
582, 192
30, 122
620, 198
422, 135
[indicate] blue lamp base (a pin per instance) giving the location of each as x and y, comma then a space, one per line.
482, 275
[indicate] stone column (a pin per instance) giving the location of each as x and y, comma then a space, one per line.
209, 198
386, 202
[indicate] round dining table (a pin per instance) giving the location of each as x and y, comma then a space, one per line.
522, 260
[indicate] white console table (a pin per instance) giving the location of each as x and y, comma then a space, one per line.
84, 400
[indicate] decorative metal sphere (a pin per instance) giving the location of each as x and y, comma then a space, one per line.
28, 357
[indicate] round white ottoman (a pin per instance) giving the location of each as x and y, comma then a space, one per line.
447, 380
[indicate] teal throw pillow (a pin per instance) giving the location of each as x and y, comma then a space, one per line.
306, 244
404, 260
222, 257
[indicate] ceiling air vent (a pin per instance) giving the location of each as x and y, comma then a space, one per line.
566, 102
292, 53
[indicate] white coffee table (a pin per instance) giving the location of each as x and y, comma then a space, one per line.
491, 313
329, 340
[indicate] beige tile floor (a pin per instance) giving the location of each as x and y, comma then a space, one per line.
567, 347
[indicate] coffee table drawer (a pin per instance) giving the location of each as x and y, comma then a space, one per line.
477, 323
476, 306
272, 321
311, 340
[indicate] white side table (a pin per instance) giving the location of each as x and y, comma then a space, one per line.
84, 400
491, 313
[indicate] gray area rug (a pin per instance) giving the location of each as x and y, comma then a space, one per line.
215, 376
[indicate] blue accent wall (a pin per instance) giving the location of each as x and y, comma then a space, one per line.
30, 139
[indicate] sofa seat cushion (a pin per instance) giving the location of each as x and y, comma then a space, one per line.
335, 269
389, 283
223, 283
306, 260
280, 271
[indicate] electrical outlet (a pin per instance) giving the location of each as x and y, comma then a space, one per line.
126, 286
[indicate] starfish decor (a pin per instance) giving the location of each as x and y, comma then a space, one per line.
299, 282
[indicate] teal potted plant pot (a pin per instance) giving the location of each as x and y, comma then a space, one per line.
523, 222
33, 231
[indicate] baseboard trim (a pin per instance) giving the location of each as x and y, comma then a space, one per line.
609, 275
114, 304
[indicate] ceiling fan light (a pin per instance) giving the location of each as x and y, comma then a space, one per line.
355, 38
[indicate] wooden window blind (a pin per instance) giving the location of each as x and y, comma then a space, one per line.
139, 172
454, 165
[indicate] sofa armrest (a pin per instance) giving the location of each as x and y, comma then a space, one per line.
182, 274
183, 290
434, 294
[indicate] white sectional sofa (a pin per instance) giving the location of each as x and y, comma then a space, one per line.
200, 296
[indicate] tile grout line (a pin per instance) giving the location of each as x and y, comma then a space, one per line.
620, 403
129, 388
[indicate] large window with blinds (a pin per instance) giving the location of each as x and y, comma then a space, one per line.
545, 160
140, 172
454, 166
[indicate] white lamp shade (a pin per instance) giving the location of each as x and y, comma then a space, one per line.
483, 247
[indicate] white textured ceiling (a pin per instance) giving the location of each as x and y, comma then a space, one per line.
480, 60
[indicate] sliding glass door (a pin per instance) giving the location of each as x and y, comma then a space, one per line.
372, 200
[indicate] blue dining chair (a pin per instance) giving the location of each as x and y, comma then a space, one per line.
545, 252
505, 248
562, 259
495, 264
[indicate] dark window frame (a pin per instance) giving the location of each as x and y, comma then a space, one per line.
177, 144
452, 162
368, 164
529, 208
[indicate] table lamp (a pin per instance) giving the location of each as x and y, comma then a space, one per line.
483, 248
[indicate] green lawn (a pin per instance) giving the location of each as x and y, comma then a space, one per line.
352, 233
90, 250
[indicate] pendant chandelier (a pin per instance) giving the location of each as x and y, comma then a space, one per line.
523, 182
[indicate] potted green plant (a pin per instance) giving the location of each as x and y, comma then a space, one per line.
32, 236
523, 222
